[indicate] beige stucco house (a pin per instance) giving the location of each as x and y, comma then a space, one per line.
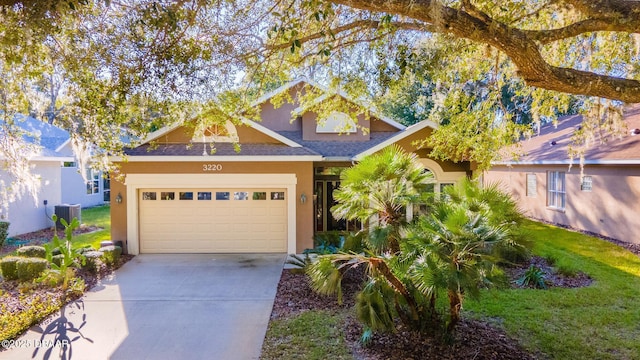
604, 198
272, 196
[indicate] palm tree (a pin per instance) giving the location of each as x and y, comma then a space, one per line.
451, 251
380, 187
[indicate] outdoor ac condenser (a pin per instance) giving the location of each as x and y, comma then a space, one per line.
67, 212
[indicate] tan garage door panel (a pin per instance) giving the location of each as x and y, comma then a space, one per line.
213, 220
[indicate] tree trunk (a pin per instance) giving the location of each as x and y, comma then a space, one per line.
455, 305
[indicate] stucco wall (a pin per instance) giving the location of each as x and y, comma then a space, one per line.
28, 214
74, 189
302, 170
610, 209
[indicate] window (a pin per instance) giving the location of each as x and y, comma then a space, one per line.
93, 181
186, 195
261, 195
222, 195
532, 185
167, 195
556, 190
204, 195
240, 195
148, 195
277, 195
69, 164
587, 183
336, 123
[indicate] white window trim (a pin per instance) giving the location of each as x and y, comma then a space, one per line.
556, 193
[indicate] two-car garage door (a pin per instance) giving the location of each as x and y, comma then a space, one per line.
218, 220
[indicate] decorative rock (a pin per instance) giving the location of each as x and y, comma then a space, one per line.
106, 243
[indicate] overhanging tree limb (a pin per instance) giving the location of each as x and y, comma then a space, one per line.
523, 46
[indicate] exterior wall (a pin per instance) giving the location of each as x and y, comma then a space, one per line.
378, 125
279, 118
610, 209
302, 170
28, 214
74, 189
310, 121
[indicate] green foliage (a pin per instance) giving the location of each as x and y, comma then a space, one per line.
381, 185
93, 260
32, 251
111, 254
354, 242
13, 324
533, 277
30, 268
325, 277
300, 262
4, 231
8, 265
68, 257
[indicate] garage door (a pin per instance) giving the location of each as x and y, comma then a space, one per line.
217, 220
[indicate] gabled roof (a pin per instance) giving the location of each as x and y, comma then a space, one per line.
322, 98
339, 150
397, 137
552, 145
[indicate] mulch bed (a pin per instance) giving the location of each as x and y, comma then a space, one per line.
13, 299
43, 236
473, 339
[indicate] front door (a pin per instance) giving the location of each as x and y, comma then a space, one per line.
323, 197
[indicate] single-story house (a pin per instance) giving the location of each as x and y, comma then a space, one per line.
603, 198
175, 196
60, 181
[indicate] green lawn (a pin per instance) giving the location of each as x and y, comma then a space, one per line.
601, 321
99, 216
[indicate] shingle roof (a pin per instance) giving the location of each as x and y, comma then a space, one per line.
540, 149
38, 132
221, 149
338, 148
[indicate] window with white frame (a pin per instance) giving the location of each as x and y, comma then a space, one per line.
587, 183
93, 181
556, 190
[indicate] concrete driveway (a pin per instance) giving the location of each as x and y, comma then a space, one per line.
165, 307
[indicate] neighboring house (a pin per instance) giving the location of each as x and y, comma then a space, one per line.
604, 198
60, 182
272, 196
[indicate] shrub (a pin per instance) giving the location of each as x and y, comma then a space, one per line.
93, 260
32, 251
8, 265
354, 242
30, 268
14, 323
111, 254
57, 259
85, 249
533, 277
4, 230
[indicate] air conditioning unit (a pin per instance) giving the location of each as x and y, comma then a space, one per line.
67, 212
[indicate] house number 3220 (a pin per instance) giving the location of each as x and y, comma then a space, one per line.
212, 167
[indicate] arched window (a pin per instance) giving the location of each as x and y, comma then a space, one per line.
219, 133
336, 123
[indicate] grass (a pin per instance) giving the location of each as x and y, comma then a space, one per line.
98, 216
595, 322
309, 336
